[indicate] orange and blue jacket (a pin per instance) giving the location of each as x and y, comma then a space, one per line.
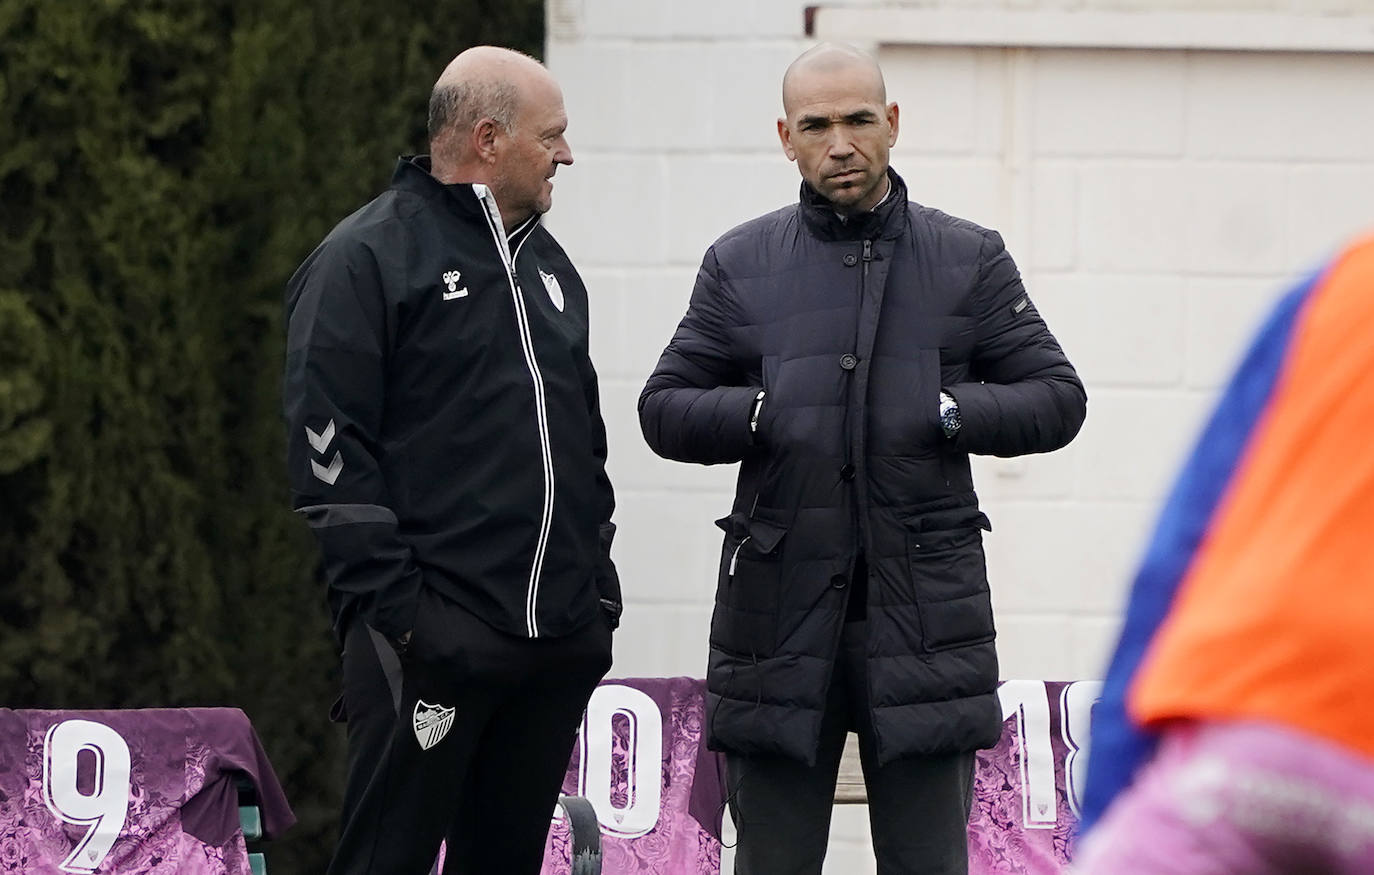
1255, 598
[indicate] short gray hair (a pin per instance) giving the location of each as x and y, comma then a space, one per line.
461, 105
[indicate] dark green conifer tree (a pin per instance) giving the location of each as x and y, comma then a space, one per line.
164, 166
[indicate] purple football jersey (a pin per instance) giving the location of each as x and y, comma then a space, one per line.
656, 788
146, 791
1023, 815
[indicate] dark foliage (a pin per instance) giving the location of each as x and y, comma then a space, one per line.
165, 165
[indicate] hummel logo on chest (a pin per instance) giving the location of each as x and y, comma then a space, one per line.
451, 278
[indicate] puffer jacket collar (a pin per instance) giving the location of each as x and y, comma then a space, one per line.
887, 221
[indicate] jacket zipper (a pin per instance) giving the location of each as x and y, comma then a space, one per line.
849, 448
863, 292
522, 320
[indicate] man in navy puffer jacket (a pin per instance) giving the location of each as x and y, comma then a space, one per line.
851, 351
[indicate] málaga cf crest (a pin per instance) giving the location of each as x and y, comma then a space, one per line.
554, 289
432, 723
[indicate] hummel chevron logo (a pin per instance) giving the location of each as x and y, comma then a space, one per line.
451, 278
330, 474
320, 442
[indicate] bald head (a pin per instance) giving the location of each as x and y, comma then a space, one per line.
827, 61
482, 82
838, 125
496, 117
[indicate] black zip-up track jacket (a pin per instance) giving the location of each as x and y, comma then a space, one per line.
445, 428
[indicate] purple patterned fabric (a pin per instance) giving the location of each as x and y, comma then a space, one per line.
685, 834
138, 791
1005, 834
1023, 816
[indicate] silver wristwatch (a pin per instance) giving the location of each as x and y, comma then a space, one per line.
950, 423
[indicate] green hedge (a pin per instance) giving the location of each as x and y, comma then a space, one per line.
163, 169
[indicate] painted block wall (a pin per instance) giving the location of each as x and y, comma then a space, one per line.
1157, 202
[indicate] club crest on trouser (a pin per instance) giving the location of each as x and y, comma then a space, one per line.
554, 289
432, 723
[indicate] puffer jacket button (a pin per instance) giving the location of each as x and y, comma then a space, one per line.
850, 260
839, 581
849, 361
847, 471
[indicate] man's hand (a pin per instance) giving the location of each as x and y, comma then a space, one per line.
612, 609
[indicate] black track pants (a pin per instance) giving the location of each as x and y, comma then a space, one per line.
484, 775
918, 807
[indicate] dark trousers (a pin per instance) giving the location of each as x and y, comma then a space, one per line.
918, 807
485, 776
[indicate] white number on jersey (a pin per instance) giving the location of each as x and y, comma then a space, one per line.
644, 750
106, 806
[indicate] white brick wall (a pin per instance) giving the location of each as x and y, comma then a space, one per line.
1156, 200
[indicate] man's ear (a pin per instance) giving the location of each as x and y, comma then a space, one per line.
484, 135
785, 135
892, 123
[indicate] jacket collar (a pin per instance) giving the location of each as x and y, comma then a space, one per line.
887, 220
412, 174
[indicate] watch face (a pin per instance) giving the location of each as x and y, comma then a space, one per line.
949, 419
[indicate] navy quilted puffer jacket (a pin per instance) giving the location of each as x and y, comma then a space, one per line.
853, 328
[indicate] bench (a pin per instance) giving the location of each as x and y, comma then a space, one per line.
849, 786
250, 819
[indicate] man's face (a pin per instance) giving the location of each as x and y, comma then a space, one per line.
839, 133
529, 153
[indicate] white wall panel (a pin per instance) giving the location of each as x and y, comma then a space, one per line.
1131, 105
1158, 200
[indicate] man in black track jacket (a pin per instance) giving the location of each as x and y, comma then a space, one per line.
447, 449
850, 351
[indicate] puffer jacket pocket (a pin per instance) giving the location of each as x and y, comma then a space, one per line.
949, 577
745, 620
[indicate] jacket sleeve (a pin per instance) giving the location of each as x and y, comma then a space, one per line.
334, 395
1027, 398
693, 408
607, 578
